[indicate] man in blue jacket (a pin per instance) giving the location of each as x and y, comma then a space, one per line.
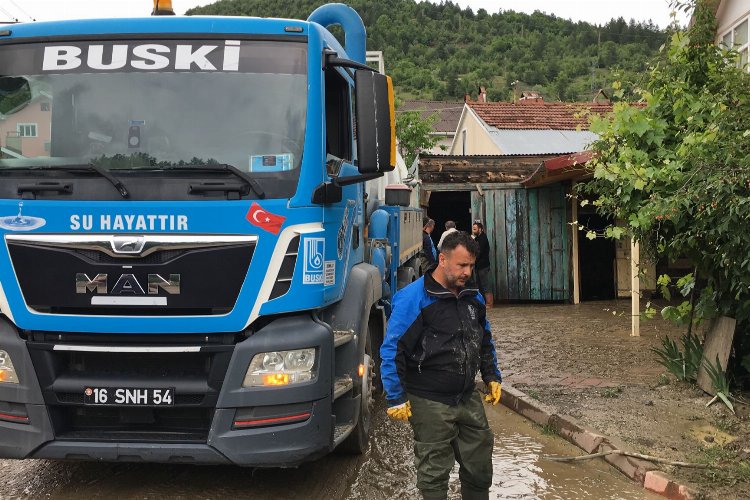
437, 339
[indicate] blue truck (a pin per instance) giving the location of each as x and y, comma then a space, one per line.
195, 266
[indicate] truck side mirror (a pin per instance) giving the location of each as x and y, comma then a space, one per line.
376, 122
15, 93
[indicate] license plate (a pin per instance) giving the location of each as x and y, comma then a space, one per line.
128, 396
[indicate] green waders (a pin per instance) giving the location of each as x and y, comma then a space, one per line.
444, 434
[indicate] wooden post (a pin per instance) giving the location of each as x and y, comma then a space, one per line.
635, 289
718, 344
574, 243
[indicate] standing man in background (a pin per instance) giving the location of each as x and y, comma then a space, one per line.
450, 227
438, 337
429, 254
483, 263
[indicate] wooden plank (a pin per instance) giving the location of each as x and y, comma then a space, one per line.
512, 244
522, 238
545, 245
464, 186
476, 207
635, 290
556, 232
489, 222
565, 246
574, 242
534, 250
501, 247
718, 343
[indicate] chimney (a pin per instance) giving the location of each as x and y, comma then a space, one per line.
529, 97
482, 97
467, 97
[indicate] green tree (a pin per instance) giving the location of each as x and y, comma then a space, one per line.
455, 49
413, 134
678, 170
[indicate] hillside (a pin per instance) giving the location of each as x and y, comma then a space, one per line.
442, 51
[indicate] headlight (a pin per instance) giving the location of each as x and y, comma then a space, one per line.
280, 368
7, 372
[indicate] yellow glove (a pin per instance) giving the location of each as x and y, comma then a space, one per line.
400, 412
495, 391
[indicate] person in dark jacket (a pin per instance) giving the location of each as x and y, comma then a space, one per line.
428, 257
483, 263
437, 339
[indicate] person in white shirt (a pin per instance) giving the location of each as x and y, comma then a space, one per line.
450, 227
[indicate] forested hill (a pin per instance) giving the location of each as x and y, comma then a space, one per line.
440, 51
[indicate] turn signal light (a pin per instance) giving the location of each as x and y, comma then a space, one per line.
276, 379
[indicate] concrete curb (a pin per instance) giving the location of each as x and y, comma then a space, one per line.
591, 441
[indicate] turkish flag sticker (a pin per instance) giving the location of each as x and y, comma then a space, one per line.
257, 216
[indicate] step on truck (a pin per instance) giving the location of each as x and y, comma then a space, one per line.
190, 269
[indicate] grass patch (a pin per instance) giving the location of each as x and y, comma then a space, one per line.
662, 379
726, 469
532, 393
611, 392
546, 429
727, 423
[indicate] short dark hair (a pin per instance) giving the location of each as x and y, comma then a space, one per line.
460, 238
479, 225
426, 221
449, 224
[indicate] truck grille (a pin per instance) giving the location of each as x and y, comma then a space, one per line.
171, 276
196, 377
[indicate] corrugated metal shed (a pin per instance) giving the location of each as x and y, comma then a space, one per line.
536, 142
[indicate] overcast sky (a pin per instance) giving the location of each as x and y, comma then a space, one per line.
593, 11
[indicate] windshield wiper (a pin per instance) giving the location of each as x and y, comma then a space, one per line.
225, 167
117, 183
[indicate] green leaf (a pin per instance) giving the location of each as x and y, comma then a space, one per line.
726, 401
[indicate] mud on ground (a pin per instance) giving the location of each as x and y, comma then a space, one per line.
582, 360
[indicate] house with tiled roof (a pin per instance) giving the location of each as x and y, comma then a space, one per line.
513, 166
530, 126
444, 129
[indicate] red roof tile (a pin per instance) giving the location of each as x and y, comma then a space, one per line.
538, 114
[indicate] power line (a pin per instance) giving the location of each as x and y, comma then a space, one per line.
22, 11
5, 13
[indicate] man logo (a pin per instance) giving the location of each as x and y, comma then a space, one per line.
127, 284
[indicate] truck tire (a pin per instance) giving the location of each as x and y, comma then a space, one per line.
358, 441
405, 276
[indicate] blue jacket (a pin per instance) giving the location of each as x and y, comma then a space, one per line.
435, 343
428, 249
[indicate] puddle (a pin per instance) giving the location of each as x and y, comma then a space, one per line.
520, 471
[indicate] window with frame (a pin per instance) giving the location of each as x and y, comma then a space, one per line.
338, 115
26, 129
737, 38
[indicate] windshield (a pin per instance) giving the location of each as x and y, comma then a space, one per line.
155, 104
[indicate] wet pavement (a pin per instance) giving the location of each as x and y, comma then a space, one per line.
385, 472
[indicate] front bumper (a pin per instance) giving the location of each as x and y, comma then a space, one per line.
45, 434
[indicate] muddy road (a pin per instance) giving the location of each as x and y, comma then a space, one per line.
385, 472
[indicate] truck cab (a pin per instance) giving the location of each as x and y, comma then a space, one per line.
186, 272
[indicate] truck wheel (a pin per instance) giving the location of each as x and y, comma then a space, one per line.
359, 439
405, 276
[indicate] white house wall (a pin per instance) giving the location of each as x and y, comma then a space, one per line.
731, 12
477, 139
